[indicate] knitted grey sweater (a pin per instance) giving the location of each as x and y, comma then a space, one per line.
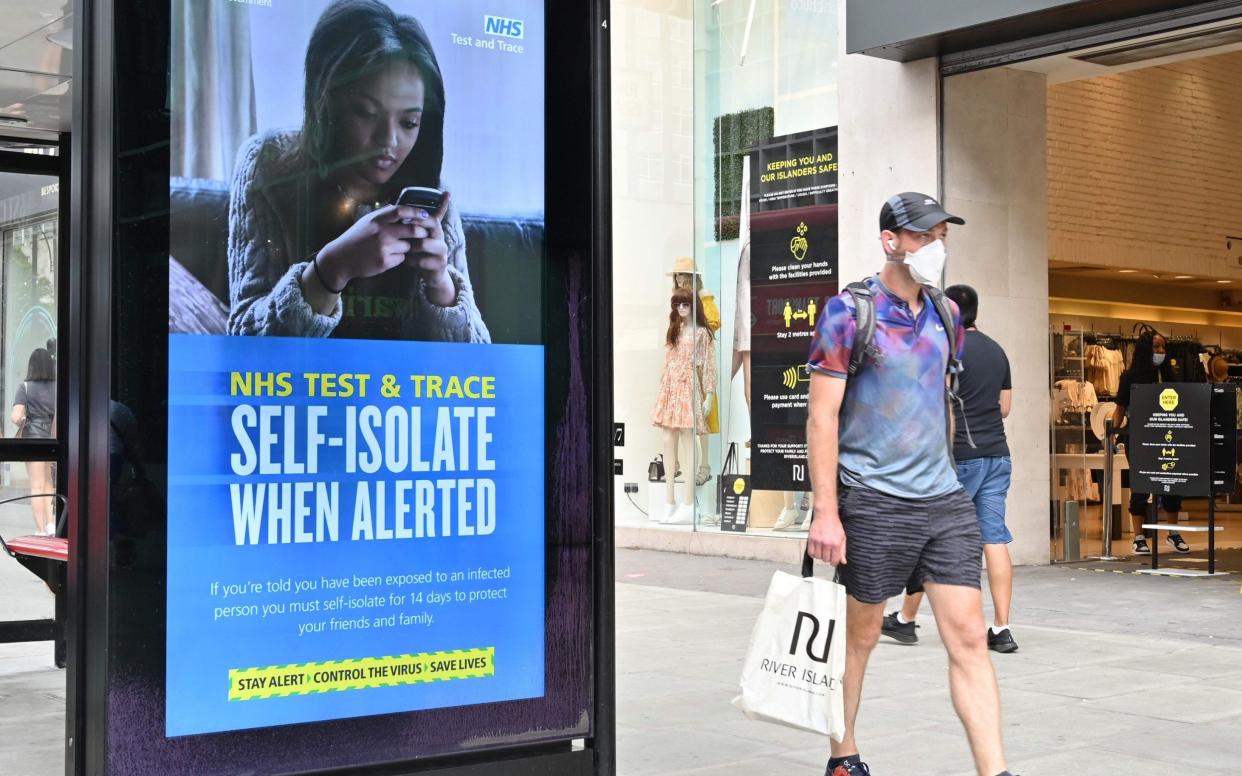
265, 269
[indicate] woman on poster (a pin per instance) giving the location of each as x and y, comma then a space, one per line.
318, 246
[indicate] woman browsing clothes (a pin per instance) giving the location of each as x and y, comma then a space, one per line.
318, 246
34, 414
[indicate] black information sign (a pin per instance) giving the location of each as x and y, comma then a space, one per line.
734, 502
793, 273
618, 434
1170, 439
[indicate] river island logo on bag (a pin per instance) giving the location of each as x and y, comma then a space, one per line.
499, 25
799, 245
1169, 399
739, 486
810, 640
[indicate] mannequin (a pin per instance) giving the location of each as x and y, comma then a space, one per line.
686, 276
741, 318
687, 392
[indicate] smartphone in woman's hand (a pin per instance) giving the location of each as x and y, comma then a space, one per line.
421, 197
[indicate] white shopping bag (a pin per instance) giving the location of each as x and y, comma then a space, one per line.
796, 661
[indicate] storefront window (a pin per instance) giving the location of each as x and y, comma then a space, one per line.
698, 88
767, 74
28, 267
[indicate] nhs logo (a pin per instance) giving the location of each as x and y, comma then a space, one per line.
499, 25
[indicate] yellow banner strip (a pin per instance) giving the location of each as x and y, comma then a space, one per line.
246, 684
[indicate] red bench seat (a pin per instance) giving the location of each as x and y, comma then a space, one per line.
50, 547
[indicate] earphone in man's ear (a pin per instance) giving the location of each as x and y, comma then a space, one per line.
892, 245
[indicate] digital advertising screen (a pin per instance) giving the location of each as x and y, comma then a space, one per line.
356, 409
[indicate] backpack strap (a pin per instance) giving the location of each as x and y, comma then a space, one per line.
954, 368
864, 327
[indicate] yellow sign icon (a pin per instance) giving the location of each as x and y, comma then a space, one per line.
799, 245
791, 314
1169, 399
1168, 437
1170, 466
796, 374
739, 486
1168, 452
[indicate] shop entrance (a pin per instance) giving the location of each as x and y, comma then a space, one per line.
1102, 216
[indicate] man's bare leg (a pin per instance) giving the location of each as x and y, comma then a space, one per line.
910, 606
862, 631
1000, 581
976, 697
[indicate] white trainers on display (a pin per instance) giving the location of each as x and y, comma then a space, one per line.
683, 515
786, 520
661, 513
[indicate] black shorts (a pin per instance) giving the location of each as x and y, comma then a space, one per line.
1138, 504
893, 544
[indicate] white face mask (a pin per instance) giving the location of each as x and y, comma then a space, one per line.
1158, 359
927, 263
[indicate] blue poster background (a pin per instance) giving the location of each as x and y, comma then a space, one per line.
202, 647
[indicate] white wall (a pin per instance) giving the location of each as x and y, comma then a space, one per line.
889, 143
996, 179
653, 215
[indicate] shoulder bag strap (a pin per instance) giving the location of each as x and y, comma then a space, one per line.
864, 326
954, 368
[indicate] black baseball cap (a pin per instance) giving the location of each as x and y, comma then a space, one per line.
914, 211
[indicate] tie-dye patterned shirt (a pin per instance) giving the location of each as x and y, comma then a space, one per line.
892, 422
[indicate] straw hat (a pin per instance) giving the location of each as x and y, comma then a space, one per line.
1218, 369
684, 265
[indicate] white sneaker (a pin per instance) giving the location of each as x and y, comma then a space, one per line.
786, 520
51, 530
683, 515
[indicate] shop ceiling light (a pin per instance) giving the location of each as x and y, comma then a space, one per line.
1127, 271
1165, 47
1183, 277
1224, 282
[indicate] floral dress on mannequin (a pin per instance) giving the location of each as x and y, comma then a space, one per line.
679, 403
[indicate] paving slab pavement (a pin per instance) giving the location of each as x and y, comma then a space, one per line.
1117, 674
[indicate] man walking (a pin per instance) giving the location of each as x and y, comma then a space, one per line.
983, 470
900, 519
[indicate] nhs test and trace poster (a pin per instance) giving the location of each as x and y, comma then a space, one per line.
356, 469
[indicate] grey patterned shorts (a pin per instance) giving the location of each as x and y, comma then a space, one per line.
893, 544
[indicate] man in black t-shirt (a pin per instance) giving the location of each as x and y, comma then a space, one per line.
983, 469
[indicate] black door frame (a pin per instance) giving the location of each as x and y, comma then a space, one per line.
54, 166
51, 450
87, 322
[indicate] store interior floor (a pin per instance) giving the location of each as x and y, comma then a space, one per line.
1194, 513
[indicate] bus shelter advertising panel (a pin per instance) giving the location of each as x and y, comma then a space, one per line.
356, 409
